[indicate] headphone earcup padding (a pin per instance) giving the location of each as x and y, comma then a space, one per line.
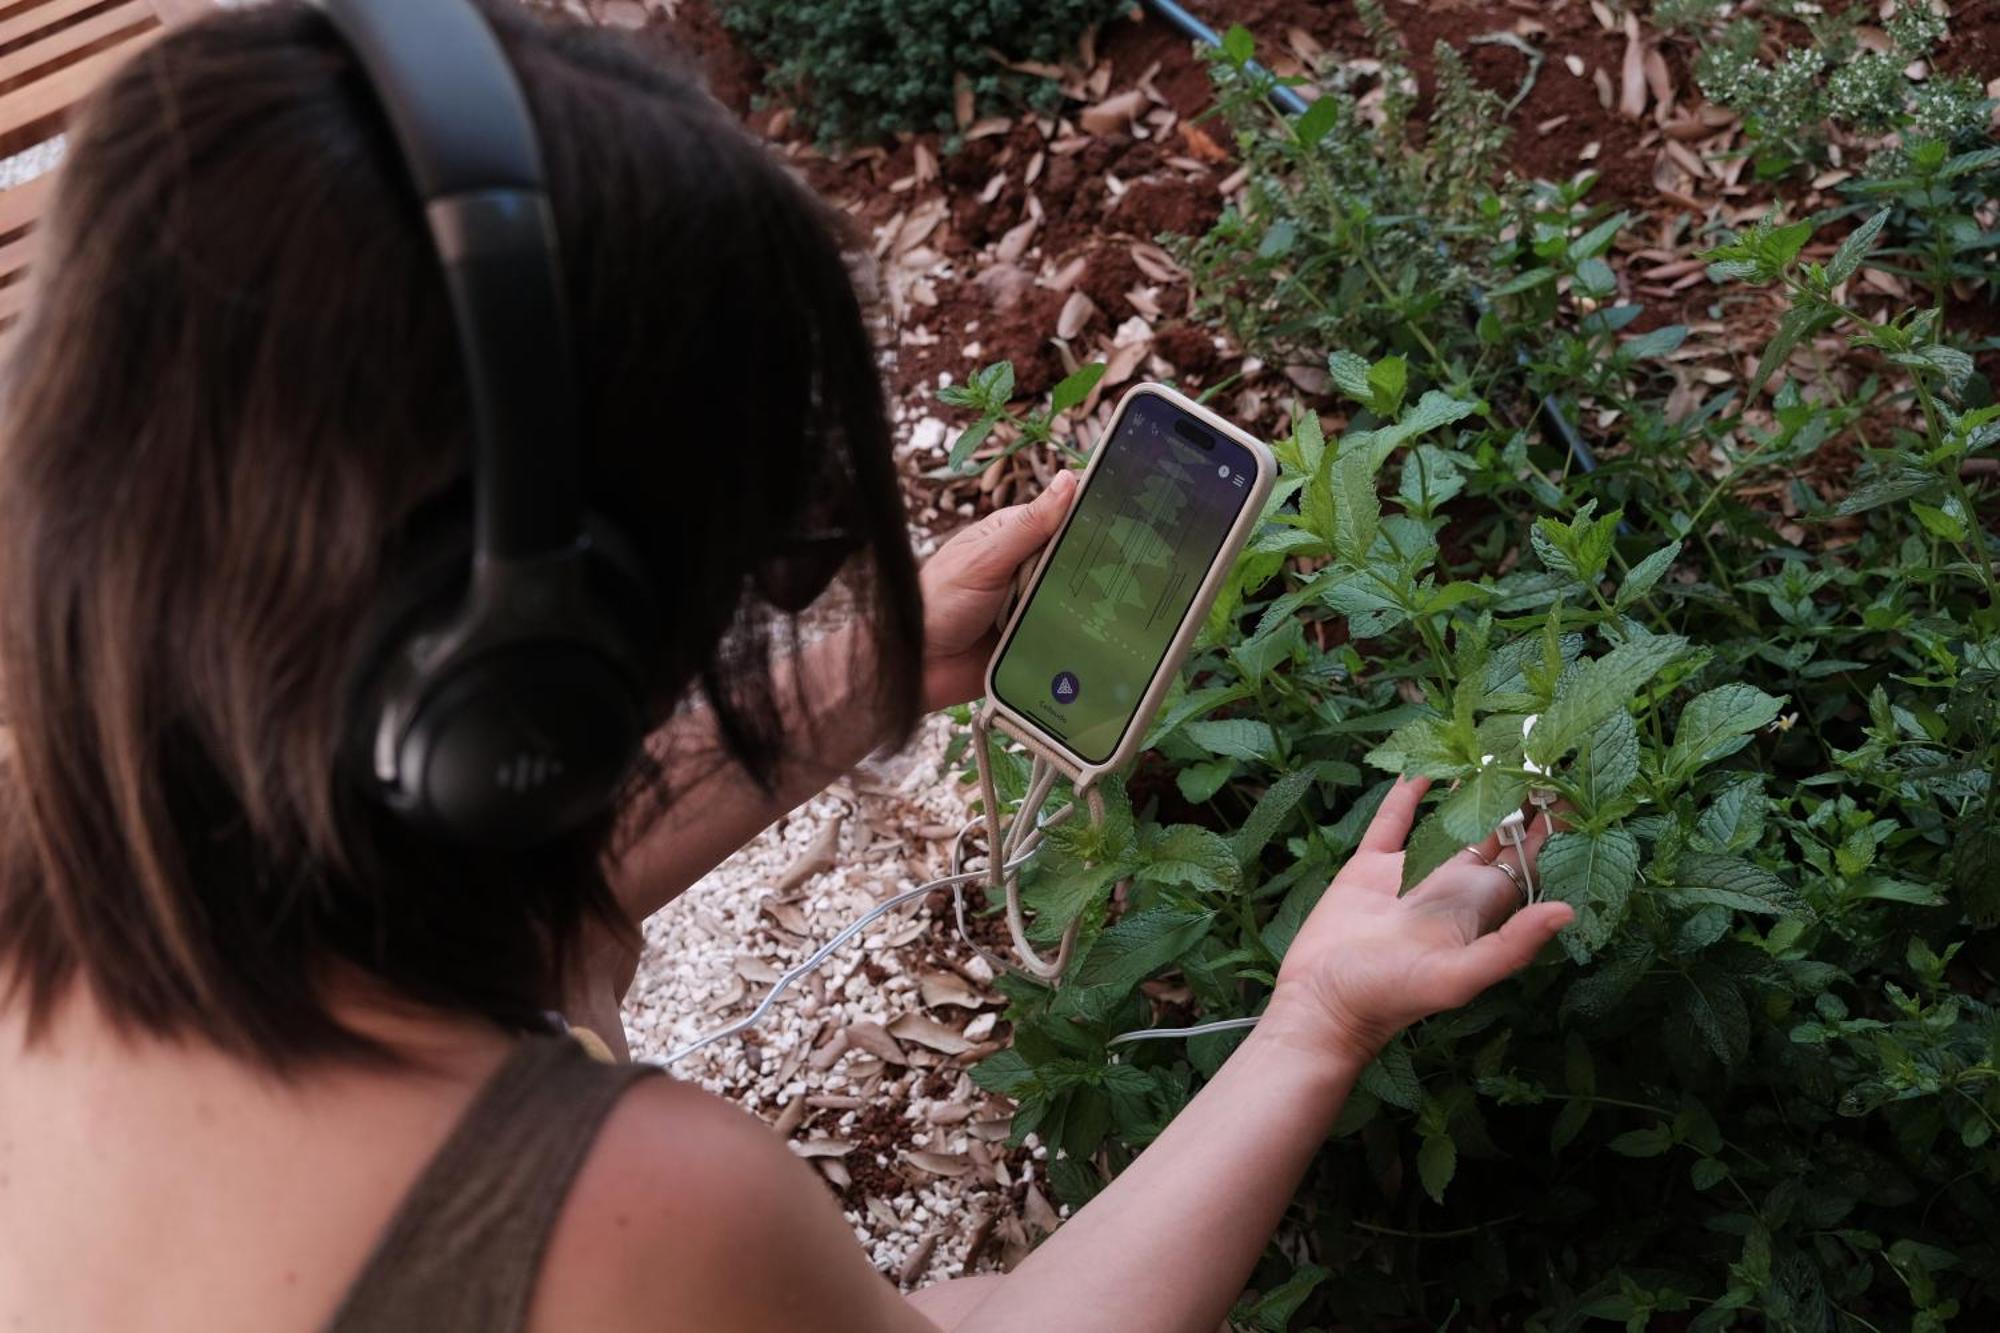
521, 747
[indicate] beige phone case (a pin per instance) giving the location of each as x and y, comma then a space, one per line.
1080, 771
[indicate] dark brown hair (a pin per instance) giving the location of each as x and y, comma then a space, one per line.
235, 418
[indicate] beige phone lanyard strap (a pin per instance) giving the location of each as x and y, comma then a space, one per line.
1008, 842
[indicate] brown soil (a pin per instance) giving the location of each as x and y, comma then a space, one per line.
1974, 46
1022, 333
1558, 95
1190, 350
1171, 205
1626, 173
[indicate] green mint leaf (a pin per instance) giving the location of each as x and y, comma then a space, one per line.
1437, 1163
1598, 239
1433, 410
1781, 245
1607, 764
1707, 1173
1237, 737
1393, 1078
1423, 748
968, 442
1600, 688
1599, 994
1887, 487
1569, 1123
1140, 944
1651, 1142
1734, 882
1847, 259
1534, 277
1656, 342
996, 384
1715, 1007
1202, 779
1430, 846
1593, 873
1189, 855
1734, 820
1357, 512
1717, 724
1647, 573
1350, 375
1273, 808
1076, 387
1798, 324
1060, 888
1387, 379
1318, 120
1004, 1072
1480, 803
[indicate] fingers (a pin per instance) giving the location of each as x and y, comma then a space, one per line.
1476, 873
1491, 958
1004, 540
1391, 825
1488, 849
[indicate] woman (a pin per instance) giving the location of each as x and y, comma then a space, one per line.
271, 1060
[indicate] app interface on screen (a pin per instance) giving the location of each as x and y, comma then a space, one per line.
1124, 575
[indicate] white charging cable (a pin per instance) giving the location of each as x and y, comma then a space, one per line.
955, 882
1010, 845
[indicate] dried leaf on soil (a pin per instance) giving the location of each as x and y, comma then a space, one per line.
823, 1148
1113, 113
942, 988
926, 1031
875, 1039
938, 1163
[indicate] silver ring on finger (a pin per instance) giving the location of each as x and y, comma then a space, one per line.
1513, 877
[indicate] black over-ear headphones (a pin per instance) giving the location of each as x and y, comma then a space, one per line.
508, 715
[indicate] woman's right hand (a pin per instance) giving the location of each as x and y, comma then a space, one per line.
1368, 962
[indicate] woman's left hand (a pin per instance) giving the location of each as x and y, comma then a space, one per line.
965, 583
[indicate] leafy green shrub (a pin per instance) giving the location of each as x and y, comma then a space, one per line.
1758, 1086
1345, 237
1835, 82
860, 70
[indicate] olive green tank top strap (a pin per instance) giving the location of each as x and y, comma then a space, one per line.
465, 1248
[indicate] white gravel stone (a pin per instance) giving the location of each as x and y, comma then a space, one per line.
690, 983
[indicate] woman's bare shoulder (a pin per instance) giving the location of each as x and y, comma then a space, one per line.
690, 1213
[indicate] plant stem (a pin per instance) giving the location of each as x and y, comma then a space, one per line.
1456, 1233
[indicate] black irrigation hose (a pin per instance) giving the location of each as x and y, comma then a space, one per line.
1288, 101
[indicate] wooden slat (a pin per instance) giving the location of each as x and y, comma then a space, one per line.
38, 17
22, 204
133, 15
50, 97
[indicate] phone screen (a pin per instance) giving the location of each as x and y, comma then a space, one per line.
1124, 575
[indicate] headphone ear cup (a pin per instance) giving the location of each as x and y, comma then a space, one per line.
522, 746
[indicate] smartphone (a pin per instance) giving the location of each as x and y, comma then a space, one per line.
1169, 499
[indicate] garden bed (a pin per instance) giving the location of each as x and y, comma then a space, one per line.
1754, 507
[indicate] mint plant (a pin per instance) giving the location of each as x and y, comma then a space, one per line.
1758, 1083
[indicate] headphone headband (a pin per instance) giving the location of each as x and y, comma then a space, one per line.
508, 713
469, 144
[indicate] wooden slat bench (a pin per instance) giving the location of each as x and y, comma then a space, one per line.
52, 54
